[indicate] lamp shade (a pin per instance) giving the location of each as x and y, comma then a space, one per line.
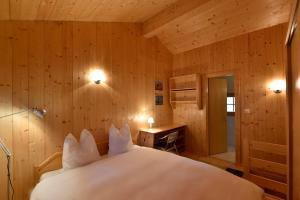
150, 120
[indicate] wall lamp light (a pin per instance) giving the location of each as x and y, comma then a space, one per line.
277, 86
97, 76
39, 112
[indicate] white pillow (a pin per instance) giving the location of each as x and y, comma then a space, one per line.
78, 154
119, 140
50, 174
89, 146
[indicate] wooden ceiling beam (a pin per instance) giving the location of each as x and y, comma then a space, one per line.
245, 18
175, 13
191, 24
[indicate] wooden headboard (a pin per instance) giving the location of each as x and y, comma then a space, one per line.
54, 162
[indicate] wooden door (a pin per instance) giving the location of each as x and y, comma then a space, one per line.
217, 115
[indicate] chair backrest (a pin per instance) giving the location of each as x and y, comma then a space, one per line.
172, 137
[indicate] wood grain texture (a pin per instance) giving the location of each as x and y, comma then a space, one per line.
72, 10
269, 166
5, 99
270, 184
46, 65
179, 10
217, 115
187, 25
257, 59
271, 197
4, 10
19, 102
294, 100
269, 147
186, 90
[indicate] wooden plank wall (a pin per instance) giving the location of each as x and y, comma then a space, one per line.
295, 108
257, 58
46, 65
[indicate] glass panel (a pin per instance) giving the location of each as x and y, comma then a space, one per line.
230, 108
230, 100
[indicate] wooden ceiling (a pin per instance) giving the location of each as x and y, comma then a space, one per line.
181, 25
186, 25
82, 10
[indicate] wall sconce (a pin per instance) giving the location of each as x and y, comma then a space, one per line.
10, 189
97, 76
298, 84
39, 112
150, 121
277, 86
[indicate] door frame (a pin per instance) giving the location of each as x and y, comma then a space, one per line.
237, 118
292, 27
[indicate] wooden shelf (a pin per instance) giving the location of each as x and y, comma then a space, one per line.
185, 89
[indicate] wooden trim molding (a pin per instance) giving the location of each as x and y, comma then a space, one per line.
271, 197
269, 147
268, 183
269, 166
54, 162
292, 25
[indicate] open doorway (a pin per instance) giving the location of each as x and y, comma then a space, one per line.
221, 118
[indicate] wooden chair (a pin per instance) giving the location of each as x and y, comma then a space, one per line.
168, 142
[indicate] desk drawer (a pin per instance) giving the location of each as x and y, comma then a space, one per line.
146, 139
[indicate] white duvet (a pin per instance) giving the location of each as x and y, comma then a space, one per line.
146, 174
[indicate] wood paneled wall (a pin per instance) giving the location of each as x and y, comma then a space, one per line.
294, 100
257, 59
46, 65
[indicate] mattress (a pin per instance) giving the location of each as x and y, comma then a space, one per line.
146, 174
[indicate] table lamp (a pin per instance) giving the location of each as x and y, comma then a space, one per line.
150, 121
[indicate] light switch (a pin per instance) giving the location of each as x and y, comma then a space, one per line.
247, 111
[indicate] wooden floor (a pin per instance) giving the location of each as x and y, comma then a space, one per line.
228, 156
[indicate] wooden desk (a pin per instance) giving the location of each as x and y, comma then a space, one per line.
150, 137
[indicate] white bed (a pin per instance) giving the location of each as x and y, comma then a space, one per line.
146, 174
